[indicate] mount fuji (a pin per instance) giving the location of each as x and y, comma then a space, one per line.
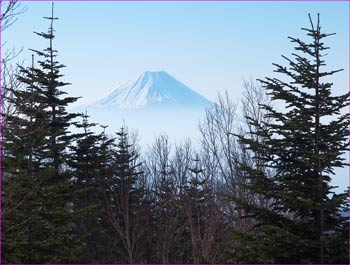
152, 89
155, 103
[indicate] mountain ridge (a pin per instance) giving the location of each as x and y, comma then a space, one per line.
152, 88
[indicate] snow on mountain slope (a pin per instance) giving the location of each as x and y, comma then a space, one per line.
151, 89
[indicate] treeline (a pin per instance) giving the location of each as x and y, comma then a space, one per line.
255, 190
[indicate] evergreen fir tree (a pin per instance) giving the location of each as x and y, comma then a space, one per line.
110, 249
201, 213
86, 166
303, 221
124, 197
35, 156
19, 187
196, 195
166, 213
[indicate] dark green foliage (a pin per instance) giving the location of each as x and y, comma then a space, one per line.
199, 209
36, 194
124, 201
88, 164
302, 220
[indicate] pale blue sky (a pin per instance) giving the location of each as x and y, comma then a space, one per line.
209, 46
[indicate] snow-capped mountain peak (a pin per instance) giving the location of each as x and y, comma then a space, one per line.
156, 88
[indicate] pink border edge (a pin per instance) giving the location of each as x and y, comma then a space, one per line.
136, 1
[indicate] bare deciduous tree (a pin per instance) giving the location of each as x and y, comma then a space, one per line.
10, 10
255, 120
164, 196
222, 148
